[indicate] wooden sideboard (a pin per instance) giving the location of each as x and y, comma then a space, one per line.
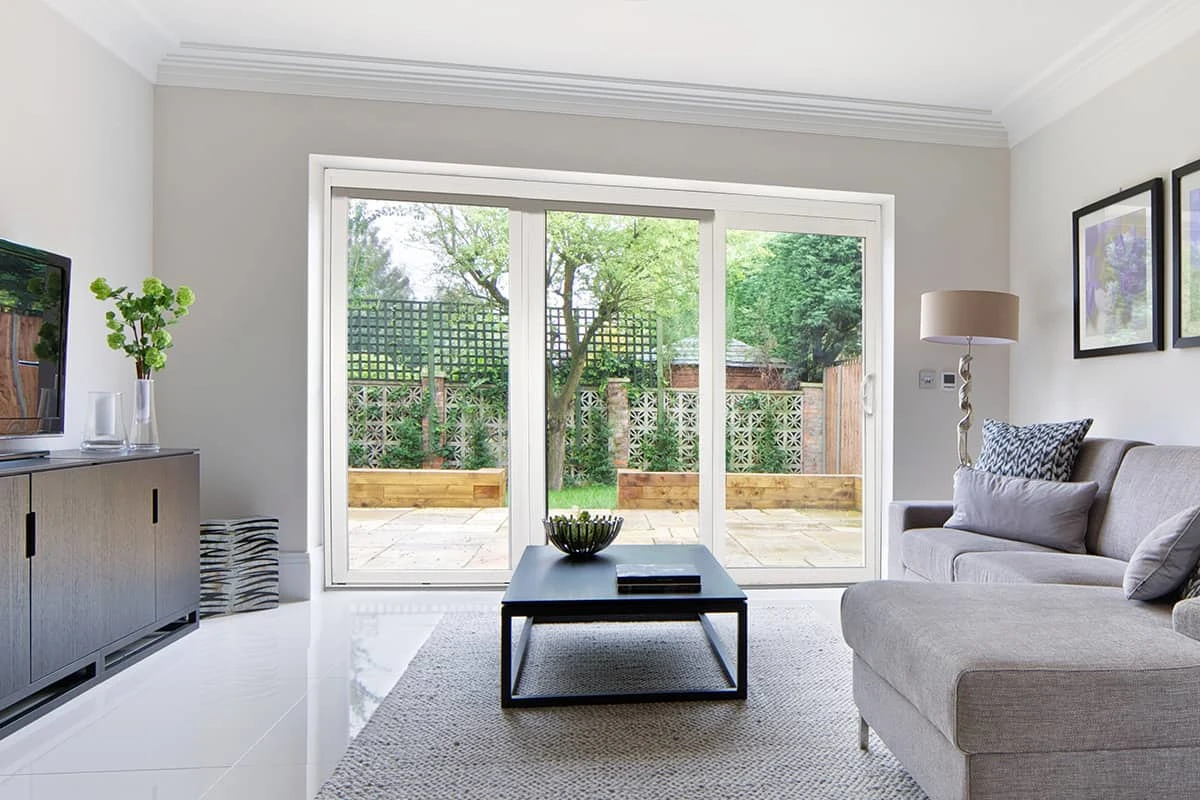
99, 566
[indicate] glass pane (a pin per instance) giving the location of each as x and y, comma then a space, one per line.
793, 413
622, 316
427, 369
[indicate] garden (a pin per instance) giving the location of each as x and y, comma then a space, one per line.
427, 392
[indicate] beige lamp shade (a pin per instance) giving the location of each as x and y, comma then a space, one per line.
962, 316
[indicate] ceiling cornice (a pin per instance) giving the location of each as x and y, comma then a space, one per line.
290, 72
1146, 30
124, 27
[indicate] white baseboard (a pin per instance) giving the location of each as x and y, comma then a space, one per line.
301, 574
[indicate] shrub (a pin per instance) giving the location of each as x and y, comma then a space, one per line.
356, 456
596, 458
479, 453
768, 455
405, 450
663, 453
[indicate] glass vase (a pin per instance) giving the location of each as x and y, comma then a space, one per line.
143, 434
105, 428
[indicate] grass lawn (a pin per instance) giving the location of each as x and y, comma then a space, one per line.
591, 497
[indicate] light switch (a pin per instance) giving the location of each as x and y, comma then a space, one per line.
927, 379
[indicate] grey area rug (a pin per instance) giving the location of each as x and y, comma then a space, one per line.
441, 732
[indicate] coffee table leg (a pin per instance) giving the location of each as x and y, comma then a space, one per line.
505, 658
714, 643
522, 649
743, 651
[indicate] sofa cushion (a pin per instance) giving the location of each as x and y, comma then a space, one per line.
1152, 484
1045, 450
1164, 559
930, 552
1070, 568
1047, 513
1033, 668
1098, 460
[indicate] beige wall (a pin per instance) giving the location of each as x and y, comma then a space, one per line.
1140, 128
76, 153
231, 219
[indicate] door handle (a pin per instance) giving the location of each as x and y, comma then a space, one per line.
868, 394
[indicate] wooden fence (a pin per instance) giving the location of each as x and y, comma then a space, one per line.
843, 418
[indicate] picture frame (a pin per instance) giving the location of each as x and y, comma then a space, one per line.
1185, 255
1118, 272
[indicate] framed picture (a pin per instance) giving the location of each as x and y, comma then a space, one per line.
1185, 241
1119, 273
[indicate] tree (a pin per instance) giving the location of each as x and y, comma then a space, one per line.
605, 264
371, 275
803, 293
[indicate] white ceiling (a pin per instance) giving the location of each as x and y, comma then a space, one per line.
981, 55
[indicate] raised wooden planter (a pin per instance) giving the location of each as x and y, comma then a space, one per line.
681, 490
426, 488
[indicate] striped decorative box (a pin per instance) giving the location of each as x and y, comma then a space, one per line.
239, 565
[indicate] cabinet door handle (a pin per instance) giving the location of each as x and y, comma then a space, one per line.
30, 534
154, 502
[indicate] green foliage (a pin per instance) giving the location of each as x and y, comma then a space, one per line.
596, 458
662, 455
405, 450
141, 328
768, 455
356, 456
479, 453
370, 273
798, 297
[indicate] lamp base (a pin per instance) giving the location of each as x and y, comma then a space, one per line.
964, 405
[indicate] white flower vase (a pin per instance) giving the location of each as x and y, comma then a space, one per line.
143, 434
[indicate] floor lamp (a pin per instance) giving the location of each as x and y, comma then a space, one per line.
968, 317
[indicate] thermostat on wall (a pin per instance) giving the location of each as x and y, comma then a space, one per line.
949, 380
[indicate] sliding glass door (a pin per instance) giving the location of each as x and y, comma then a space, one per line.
795, 349
495, 358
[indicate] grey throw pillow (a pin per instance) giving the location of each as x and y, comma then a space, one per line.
1046, 450
1163, 560
1049, 513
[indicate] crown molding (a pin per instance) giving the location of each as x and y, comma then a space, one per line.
123, 27
1146, 30
289, 72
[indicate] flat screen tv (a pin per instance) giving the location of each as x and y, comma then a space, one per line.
34, 287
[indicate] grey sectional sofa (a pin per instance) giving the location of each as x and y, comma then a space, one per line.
1000, 669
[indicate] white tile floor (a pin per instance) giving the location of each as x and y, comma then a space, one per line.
251, 707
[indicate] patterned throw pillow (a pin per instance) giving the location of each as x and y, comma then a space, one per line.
1045, 451
1191, 588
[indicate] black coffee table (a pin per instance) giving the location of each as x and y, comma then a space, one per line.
549, 587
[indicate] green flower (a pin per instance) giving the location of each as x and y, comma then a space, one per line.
154, 358
100, 288
138, 324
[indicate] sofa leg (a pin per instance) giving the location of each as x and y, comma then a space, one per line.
864, 734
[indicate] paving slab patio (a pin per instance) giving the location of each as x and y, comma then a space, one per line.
477, 538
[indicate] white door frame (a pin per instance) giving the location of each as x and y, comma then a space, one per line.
527, 193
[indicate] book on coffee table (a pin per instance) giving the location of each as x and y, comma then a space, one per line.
658, 588
642, 574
